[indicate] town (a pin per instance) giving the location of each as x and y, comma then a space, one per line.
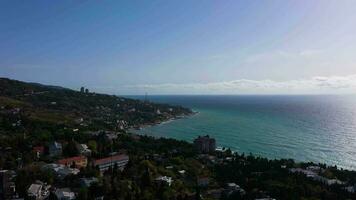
62, 144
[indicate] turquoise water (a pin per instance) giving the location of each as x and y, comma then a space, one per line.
305, 128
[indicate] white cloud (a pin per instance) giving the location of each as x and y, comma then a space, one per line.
284, 55
314, 85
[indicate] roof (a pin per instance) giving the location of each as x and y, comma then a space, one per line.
88, 181
65, 193
60, 169
56, 145
165, 179
84, 146
115, 158
71, 159
34, 189
231, 184
38, 148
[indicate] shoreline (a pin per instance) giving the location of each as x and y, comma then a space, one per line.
169, 120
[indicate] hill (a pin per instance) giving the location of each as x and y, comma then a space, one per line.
29, 106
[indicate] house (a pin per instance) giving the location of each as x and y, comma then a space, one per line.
83, 149
7, 184
87, 182
232, 189
60, 170
64, 194
121, 124
313, 175
77, 162
214, 193
39, 151
315, 169
232, 186
120, 160
38, 191
35, 191
203, 181
55, 149
205, 144
350, 189
164, 180
111, 136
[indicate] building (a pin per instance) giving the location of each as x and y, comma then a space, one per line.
233, 189
34, 191
87, 182
110, 136
214, 193
39, 150
120, 160
203, 181
205, 144
75, 162
7, 184
55, 149
164, 180
38, 191
84, 149
82, 89
61, 171
313, 175
64, 194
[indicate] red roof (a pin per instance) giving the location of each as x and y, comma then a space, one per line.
115, 158
71, 160
39, 149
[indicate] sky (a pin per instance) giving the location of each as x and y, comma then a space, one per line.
182, 47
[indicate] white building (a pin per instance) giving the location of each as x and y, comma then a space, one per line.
164, 179
84, 149
38, 190
34, 191
65, 194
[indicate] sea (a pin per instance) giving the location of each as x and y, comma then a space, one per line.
317, 128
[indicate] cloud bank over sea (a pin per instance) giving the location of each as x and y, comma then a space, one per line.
314, 85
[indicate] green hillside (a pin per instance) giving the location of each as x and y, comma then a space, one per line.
27, 106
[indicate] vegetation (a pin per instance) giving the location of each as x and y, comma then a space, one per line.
34, 115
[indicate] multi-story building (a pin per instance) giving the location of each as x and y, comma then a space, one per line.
205, 144
120, 160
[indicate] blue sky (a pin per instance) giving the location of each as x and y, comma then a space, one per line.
182, 47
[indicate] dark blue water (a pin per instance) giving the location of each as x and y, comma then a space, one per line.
305, 128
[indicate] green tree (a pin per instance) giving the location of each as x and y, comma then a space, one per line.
70, 149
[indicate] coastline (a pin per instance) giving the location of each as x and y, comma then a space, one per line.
169, 120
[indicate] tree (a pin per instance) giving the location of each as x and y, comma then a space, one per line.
146, 179
83, 194
70, 149
92, 146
